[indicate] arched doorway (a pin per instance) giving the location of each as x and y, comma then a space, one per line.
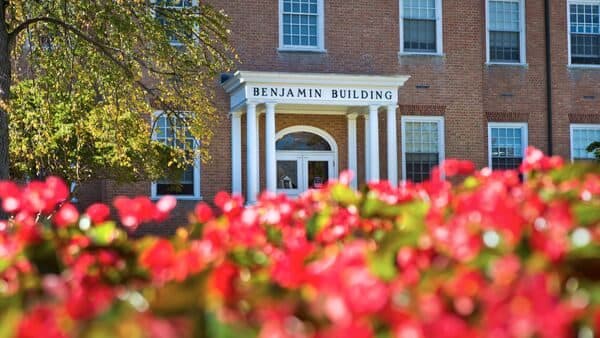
306, 159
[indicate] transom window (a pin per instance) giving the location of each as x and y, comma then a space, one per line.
507, 143
584, 32
422, 146
506, 31
421, 26
303, 141
582, 135
173, 132
301, 24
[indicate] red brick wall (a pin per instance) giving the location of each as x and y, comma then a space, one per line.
362, 37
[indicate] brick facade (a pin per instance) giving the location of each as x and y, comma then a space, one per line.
362, 37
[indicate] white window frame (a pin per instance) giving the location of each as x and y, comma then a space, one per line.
574, 126
439, 31
197, 196
522, 34
195, 3
524, 134
577, 2
441, 137
320, 48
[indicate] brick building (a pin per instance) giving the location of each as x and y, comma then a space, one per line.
388, 88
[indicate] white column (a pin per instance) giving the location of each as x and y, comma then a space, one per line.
236, 152
392, 145
373, 143
270, 161
252, 152
352, 148
367, 149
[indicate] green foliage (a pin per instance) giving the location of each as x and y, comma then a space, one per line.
594, 148
88, 75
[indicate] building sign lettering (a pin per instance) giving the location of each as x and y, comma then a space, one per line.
312, 93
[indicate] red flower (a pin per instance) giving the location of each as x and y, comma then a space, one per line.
164, 206
42, 321
160, 259
536, 160
222, 280
203, 212
136, 211
98, 212
66, 215
10, 194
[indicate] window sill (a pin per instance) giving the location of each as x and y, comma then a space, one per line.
301, 50
582, 66
179, 198
413, 54
507, 64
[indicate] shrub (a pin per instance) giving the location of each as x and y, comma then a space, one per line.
489, 256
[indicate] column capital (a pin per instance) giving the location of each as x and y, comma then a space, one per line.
392, 106
238, 113
352, 116
270, 104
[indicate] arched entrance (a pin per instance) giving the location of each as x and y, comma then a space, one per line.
306, 159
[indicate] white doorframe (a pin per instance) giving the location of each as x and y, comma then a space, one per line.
303, 157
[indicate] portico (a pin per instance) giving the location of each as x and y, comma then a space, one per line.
302, 157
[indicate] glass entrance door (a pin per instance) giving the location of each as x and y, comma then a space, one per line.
297, 173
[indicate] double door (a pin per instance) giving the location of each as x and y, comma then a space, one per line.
300, 171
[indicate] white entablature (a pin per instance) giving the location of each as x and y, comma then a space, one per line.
313, 89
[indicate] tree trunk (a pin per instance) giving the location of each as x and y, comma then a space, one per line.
5, 81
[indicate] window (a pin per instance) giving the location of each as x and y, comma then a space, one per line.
164, 7
584, 32
421, 26
506, 31
506, 145
169, 130
301, 25
582, 135
422, 146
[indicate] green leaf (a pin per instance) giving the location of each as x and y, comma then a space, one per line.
103, 234
587, 213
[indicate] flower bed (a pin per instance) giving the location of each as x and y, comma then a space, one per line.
490, 256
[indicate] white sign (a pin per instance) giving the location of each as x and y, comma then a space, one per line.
342, 94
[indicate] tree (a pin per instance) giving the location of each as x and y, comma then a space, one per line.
594, 148
80, 80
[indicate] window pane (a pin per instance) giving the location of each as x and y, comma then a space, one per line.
507, 147
582, 138
419, 9
505, 46
171, 131
303, 141
504, 16
287, 175
585, 33
422, 147
300, 23
420, 35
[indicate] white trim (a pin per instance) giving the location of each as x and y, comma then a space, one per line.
353, 148
439, 31
309, 129
236, 152
522, 35
333, 79
441, 137
197, 172
572, 126
320, 48
569, 3
524, 133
